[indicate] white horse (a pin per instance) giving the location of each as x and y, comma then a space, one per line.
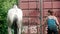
14, 16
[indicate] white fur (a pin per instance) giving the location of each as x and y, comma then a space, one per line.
12, 13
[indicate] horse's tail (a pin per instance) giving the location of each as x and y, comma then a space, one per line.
15, 24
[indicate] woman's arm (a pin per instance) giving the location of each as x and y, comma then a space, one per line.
57, 21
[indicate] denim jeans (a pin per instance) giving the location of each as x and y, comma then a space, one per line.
54, 31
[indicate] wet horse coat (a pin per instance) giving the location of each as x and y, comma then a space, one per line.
15, 17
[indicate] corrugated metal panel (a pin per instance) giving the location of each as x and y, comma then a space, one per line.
32, 15
56, 5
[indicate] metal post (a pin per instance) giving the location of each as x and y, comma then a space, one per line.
18, 2
41, 8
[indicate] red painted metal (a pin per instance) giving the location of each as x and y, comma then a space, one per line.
31, 13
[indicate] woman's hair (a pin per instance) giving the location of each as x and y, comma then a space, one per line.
51, 12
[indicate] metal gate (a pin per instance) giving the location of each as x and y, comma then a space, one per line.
35, 12
31, 16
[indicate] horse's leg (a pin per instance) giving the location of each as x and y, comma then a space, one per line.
19, 27
15, 25
9, 26
9, 30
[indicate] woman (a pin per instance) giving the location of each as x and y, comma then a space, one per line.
52, 23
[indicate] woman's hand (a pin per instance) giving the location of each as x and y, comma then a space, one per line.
59, 27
